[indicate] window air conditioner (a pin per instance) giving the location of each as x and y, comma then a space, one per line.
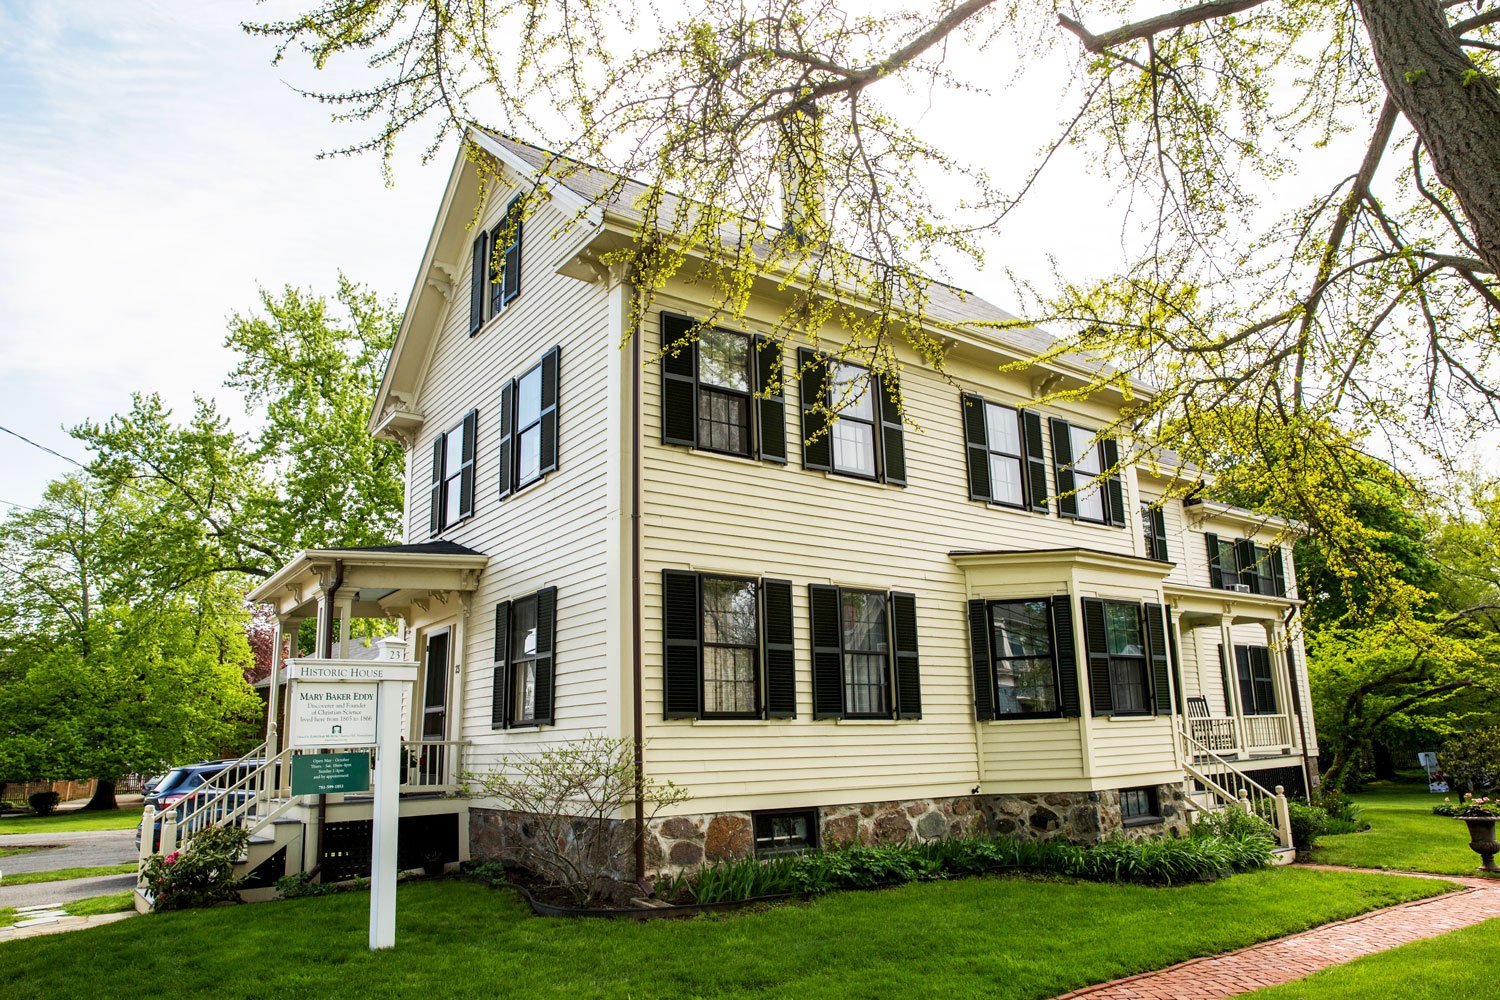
1239, 588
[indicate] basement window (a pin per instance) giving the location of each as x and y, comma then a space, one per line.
1138, 806
788, 831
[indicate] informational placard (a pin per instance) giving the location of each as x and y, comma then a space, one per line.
332, 714
330, 773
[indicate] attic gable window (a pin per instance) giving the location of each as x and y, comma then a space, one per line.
495, 269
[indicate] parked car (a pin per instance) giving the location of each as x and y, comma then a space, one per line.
183, 790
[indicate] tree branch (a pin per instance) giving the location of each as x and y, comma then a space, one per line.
1155, 25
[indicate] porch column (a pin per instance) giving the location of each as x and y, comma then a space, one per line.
273, 696
320, 629
1276, 641
1232, 680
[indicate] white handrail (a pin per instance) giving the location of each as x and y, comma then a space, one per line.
1232, 787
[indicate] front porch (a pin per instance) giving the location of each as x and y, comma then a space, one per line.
328, 835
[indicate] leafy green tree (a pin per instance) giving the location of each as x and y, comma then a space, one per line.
1280, 326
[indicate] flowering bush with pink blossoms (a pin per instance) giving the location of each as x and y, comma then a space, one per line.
200, 874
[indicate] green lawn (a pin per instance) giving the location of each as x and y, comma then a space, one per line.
73, 821
1403, 835
992, 937
62, 874
1440, 968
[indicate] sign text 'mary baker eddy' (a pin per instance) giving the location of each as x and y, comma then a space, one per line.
333, 704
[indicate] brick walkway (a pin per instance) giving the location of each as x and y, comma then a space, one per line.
1282, 960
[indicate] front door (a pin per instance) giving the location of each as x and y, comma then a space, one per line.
435, 691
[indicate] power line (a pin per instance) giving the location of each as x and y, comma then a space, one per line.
196, 515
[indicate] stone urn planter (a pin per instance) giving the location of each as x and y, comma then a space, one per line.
1482, 840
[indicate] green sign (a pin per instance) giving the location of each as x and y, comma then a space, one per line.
326, 773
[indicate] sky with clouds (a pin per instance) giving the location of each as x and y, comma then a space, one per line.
155, 169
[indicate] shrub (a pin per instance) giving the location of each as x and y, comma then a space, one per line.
1343, 814
200, 874
1308, 824
44, 803
1472, 759
570, 794
300, 885
1232, 822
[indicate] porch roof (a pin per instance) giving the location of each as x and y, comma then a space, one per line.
380, 581
1210, 606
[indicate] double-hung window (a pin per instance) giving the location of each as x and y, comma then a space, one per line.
865, 663
1240, 564
1085, 464
1004, 445
722, 391
451, 496
525, 648
854, 430
1024, 664
728, 647
851, 421
1128, 655
731, 647
1154, 531
528, 425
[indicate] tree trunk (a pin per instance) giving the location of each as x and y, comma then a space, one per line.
104, 795
1454, 110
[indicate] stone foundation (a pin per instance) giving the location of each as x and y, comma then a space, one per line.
684, 842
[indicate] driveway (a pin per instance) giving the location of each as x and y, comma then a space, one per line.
89, 849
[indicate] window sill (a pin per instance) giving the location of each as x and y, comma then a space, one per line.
525, 727
728, 455
1142, 821
1014, 508
872, 722
850, 477
1135, 717
1014, 720
731, 722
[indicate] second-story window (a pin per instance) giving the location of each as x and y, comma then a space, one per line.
721, 391
1240, 564
1154, 530
1086, 465
851, 422
451, 496
1005, 459
724, 392
528, 424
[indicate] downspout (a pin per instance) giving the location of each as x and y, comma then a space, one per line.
327, 644
636, 610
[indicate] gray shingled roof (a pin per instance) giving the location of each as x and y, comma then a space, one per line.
946, 303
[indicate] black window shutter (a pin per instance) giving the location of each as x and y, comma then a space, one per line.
1244, 557
1278, 571
679, 385
546, 657
779, 650
435, 494
771, 406
477, 278
1062, 468
682, 621
1096, 642
979, 655
904, 644
1157, 518
1176, 660
817, 446
469, 448
976, 441
1265, 685
1292, 688
1156, 649
892, 435
505, 454
1036, 460
1114, 490
497, 269
1247, 682
512, 263
550, 362
1215, 571
827, 651
1225, 679
501, 686
1065, 652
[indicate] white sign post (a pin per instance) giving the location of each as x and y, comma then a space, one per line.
358, 703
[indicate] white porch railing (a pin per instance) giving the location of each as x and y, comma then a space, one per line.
1232, 736
1231, 788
